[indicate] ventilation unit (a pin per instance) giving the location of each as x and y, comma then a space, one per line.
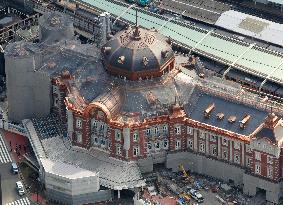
232, 119
244, 121
208, 110
220, 116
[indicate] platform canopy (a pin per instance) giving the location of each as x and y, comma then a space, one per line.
257, 61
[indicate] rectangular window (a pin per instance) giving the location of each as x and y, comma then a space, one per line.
225, 154
190, 130
190, 144
237, 158
237, 145
248, 148
118, 150
213, 138
79, 137
269, 159
214, 151
95, 140
257, 169
258, 156
79, 123
202, 135
178, 144
94, 124
135, 137
165, 129
118, 135
165, 144
248, 161
224, 141
201, 147
177, 129
148, 131
157, 145
156, 130
149, 146
270, 172
136, 151
102, 126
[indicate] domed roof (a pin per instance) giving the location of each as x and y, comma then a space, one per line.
137, 50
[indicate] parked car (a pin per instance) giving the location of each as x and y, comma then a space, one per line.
181, 201
15, 168
196, 195
20, 188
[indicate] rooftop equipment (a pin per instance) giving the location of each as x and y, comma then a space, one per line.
244, 121
232, 119
208, 110
220, 116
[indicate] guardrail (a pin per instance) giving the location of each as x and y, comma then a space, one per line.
9, 126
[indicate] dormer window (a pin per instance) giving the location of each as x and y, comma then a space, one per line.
145, 61
121, 59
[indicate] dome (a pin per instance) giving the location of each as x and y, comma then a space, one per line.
138, 53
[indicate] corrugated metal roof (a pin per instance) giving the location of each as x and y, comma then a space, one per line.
65, 170
257, 60
277, 1
252, 26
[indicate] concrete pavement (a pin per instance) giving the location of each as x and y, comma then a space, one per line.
8, 180
8, 184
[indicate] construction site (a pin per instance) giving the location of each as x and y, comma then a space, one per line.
124, 103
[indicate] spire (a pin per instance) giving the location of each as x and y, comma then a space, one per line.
136, 33
136, 17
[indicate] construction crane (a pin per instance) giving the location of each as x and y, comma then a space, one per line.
185, 174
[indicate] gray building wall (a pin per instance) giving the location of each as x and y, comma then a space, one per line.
28, 92
203, 165
102, 195
146, 165
273, 190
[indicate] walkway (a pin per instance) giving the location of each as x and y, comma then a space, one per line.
4, 153
23, 201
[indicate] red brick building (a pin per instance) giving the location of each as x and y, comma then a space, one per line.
139, 107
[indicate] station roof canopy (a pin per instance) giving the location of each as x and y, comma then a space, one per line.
257, 60
276, 1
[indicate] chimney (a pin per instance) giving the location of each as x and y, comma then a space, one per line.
271, 120
244, 121
220, 116
232, 119
208, 110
